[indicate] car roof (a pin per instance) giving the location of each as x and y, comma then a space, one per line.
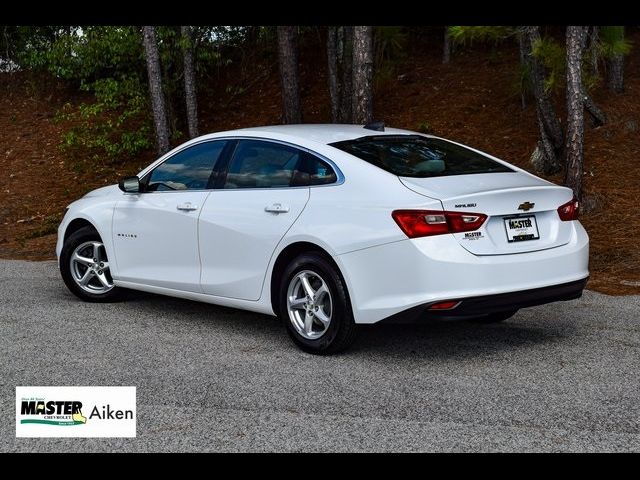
321, 133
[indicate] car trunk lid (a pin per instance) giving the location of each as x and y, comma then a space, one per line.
521, 209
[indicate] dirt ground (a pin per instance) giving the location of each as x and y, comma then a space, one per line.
472, 100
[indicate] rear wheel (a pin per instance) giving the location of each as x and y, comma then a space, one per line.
496, 317
85, 267
314, 305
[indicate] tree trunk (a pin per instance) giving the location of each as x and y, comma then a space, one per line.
550, 144
345, 65
446, 49
615, 73
253, 32
332, 73
288, 59
362, 74
524, 65
597, 114
593, 49
155, 88
575, 109
615, 64
189, 81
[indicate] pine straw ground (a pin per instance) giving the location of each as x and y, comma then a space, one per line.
472, 100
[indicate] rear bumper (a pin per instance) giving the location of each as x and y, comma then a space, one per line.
487, 304
389, 279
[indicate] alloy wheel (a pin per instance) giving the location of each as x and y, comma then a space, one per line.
309, 304
90, 268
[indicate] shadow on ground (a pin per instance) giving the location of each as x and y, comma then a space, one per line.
431, 338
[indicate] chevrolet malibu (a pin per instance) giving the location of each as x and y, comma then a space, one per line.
329, 227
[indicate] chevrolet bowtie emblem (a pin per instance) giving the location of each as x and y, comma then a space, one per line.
526, 206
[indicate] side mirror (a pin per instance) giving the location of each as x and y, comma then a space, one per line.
130, 185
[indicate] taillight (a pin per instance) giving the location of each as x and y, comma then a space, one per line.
425, 223
569, 211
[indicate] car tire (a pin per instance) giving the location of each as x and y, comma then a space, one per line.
496, 317
86, 244
323, 338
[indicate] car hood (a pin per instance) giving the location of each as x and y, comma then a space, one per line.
102, 191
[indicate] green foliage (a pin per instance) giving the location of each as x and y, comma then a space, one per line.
206, 52
522, 83
16, 40
462, 34
389, 43
389, 47
384, 74
590, 79
234, 90
552, 55
107, 62
424, 127
612, 42
267, 35
84, 54
232, 36
114, 126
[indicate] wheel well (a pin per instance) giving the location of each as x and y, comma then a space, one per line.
76, 225
285, 256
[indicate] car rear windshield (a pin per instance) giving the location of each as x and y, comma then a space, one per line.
421, 157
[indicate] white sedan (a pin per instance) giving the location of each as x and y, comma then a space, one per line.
328, 227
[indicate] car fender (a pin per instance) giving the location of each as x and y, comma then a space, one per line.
98, 211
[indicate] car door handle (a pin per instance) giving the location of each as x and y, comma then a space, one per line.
276, 208
187, 207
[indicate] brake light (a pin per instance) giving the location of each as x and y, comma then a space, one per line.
425, 223
569, 211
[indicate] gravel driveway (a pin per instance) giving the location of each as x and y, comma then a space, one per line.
562, 377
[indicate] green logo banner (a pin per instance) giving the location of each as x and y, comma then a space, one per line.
53, 422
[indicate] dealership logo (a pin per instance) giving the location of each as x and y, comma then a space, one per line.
75, 411
52, 412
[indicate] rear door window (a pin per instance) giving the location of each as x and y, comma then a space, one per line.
260, 164
314, 171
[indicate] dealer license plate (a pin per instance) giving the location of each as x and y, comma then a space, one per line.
520, 229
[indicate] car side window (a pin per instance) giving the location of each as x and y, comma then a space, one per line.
189, 169
260, 164
315, 171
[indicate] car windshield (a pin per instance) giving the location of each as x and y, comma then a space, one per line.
421, 157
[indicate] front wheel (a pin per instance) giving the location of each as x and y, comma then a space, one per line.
314, 305
85, 267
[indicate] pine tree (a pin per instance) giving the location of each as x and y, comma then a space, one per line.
339, 62
332, 73
362, 74
288, 60
547, 154
155, 88
614, 47
189, 80
345, 63
576, 39
446, 47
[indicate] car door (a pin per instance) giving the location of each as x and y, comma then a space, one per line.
155, 232
243, 221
